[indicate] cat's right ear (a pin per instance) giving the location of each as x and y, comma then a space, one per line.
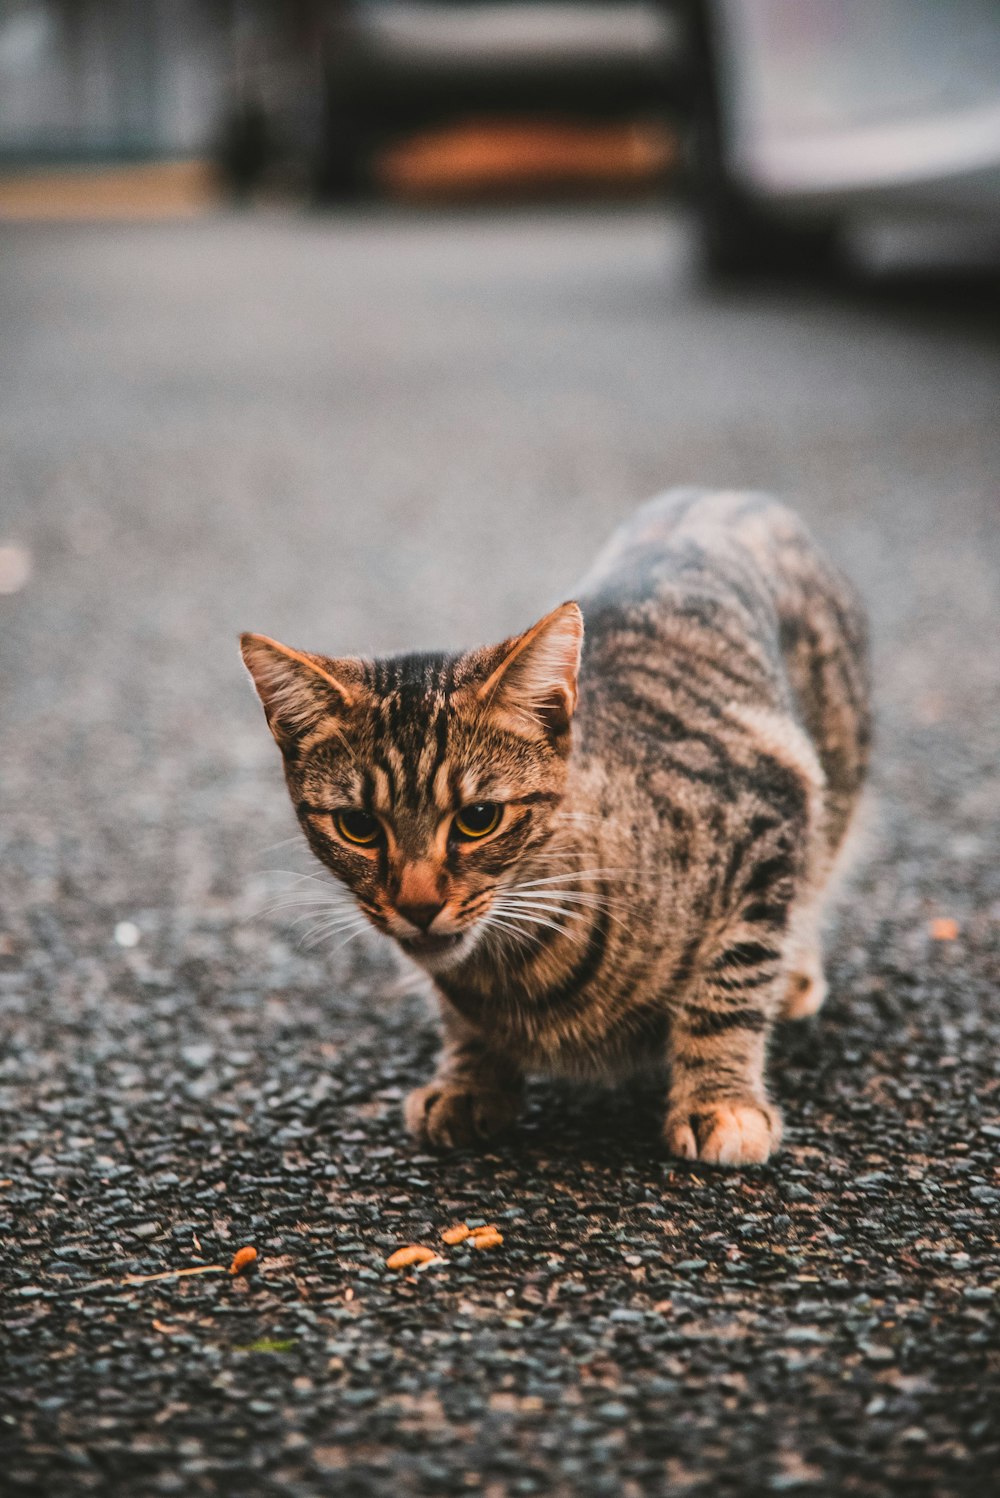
297, 690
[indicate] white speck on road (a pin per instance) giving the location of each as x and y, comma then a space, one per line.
127, 934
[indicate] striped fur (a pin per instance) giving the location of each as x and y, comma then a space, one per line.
672, 812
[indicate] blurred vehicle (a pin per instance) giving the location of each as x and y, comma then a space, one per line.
318, 88
812, 114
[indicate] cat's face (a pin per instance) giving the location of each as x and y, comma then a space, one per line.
423, 782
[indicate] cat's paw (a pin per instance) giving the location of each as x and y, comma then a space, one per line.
805, 992
448, 1117
725, 1134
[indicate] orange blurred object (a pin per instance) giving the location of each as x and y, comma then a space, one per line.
413, 1253
944, 928
483, 157
241, 1259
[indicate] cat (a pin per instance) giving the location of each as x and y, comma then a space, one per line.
606, 839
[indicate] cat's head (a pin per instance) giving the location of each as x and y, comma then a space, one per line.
425, 781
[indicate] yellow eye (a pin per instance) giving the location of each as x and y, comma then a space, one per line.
478, 820
357, 827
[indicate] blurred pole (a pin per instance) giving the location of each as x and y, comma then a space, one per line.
343, 167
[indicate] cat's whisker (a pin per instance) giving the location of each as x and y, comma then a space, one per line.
352, 936
535, 919
563, 897
545, 906
324, 929
333, 923
283, 842
328, 920
590, 898
507, 931
292, 897
307, 907
299, 874
556, 907
565, 877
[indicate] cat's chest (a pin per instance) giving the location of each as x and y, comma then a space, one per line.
588, 1040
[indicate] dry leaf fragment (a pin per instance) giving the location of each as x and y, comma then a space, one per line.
456, 1234
242, 1258
944, 928
413, 1253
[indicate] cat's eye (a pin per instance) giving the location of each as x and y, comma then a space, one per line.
477, 820
357, 827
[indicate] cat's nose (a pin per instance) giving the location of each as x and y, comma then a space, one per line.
419, 915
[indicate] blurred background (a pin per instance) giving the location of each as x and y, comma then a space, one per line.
783, 119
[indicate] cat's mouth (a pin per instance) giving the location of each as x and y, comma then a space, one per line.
431, 944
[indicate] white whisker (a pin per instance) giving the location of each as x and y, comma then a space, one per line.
544, 907
283, 842
535, 918
293, 899
317, 935
315, 878
562, 897
506, 931
564, 878
319, 940
332, 921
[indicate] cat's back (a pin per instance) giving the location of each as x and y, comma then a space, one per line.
706, 601
690, 549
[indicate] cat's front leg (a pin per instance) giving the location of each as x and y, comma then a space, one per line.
718, 1108
475, 1095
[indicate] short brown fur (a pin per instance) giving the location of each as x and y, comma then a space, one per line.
670, 812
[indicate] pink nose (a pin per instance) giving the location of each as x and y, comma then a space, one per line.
419, 915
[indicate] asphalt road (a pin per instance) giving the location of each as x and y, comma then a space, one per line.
398, 431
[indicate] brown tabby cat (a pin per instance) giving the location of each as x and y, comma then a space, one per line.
610, 864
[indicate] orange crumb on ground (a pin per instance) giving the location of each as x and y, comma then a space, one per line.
413, 1253
944, 928
487, 1237
164, 1329
456, 1234
241, 1258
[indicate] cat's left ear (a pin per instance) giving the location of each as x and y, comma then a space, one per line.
535, 683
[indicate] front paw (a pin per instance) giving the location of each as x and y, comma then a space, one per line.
452, 1117
724, 1133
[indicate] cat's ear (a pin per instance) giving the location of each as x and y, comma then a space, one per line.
535, 682
298, 690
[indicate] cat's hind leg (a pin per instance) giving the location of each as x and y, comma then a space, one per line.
805, 987
806, 991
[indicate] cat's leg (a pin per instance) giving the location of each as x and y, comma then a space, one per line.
806, 989
475, 1094
805, 986
718, 1107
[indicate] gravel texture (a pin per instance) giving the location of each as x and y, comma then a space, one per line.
387, 432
